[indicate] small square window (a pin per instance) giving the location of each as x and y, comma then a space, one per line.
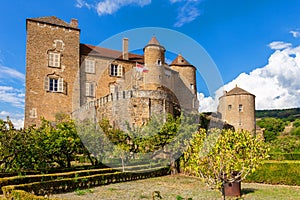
54, 59
229, 107
89, 66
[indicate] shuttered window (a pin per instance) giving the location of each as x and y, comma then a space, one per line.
54, 84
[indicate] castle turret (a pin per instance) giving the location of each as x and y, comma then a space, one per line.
186, 71
154, 53
237, 107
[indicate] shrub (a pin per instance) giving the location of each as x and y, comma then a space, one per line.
277, 172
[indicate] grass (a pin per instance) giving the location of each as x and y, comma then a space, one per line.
83, 192
182, 187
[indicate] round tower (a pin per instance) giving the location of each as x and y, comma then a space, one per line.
187, 71
154, 59
154, 53
237, 107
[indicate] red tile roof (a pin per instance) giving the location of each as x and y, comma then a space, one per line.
86, 49
237, 91
180, 60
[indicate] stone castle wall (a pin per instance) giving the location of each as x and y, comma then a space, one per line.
132, 107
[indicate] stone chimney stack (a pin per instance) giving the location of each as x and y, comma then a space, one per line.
74, 23
125, 48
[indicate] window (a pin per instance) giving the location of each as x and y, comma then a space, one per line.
159, 62
89, 66
90, 89
240, 108
54, 59
32, 113
116, 70
54, 84
192, 86
229, 107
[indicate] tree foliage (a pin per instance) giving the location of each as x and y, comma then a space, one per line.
223, 156
50, 145
272, 127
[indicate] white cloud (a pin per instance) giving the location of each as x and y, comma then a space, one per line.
111, 6
6, 73
187, 12
207, 104
278, 45
13, 96
4, 114
275, 85
18, 123
16, 119
295, 34
82, 3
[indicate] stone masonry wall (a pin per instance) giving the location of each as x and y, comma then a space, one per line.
41, 39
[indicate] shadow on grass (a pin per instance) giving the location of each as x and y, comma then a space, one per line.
248, 191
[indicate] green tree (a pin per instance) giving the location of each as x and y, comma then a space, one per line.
272, 127
223, 156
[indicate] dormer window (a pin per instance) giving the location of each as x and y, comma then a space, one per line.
54, 59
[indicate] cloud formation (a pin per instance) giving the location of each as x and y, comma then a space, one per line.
188, 11
275, 85
295, 34
6, 73
108, 7
278, 45
13, 96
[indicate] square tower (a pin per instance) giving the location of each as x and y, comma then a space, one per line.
52, 68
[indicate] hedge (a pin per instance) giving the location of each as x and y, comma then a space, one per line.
16, 180
277, 172
71, 184
284, 156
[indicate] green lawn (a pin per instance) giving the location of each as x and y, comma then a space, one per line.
173, 187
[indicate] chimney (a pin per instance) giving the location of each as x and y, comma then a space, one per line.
125, 48
74, 23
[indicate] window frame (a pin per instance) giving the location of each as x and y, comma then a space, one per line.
53, 84
90, 89
116, 70
89, 66
54, 59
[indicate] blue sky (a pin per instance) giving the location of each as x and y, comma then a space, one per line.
254, 43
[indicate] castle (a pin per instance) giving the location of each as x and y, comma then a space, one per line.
92, 82
65, 76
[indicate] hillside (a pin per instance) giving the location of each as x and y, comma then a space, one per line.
285, 114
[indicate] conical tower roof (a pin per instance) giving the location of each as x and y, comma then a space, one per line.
180, 60
154, 42
237, 91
